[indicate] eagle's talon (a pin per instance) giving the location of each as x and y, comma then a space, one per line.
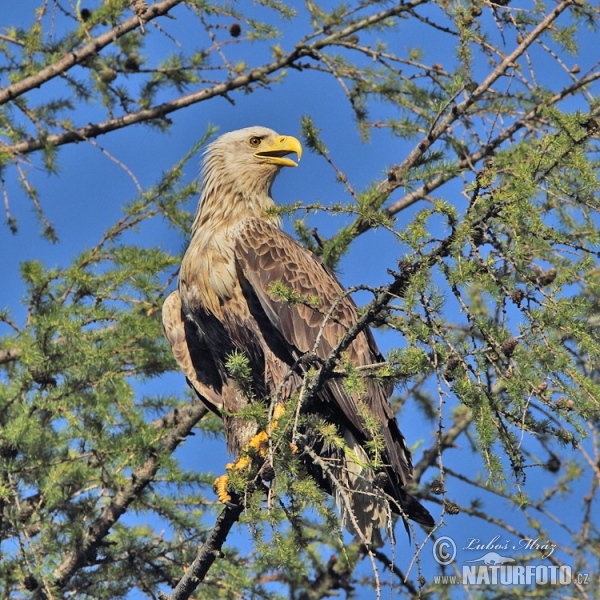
259, 444
239, 465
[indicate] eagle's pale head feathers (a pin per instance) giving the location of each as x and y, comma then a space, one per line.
238, 171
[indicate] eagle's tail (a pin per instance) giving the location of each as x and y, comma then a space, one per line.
365, 508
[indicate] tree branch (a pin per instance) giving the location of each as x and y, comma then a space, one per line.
336, 574
460, 109
461, 423
404, 581
77, 56
184, 421
259, 74
487, 150
9, 354
457, 111
372, 310
210, 551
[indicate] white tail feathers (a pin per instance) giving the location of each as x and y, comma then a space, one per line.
364, 509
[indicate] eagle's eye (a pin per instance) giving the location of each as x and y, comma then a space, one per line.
254, 141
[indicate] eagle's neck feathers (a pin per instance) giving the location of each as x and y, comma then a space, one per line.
231, 192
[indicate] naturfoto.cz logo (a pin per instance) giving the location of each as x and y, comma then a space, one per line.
495, 568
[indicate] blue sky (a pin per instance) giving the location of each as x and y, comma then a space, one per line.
86, 195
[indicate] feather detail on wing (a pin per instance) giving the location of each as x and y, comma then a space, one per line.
191, 353
266, 255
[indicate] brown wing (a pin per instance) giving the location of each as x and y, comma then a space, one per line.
266, 255
191, 353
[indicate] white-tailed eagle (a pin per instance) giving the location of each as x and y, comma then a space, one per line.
225, 304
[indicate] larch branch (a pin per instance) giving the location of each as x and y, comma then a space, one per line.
460, 110
461, 424
255, 75
77, 56
210, 551
9, 355
183, 423
487, 150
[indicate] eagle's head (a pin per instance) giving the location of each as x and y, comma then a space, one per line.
238, 171
253, 155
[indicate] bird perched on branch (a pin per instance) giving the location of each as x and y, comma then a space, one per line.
247, 288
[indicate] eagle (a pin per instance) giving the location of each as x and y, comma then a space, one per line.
226, 304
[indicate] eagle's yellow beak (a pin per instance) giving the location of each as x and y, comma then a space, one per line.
275, 150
